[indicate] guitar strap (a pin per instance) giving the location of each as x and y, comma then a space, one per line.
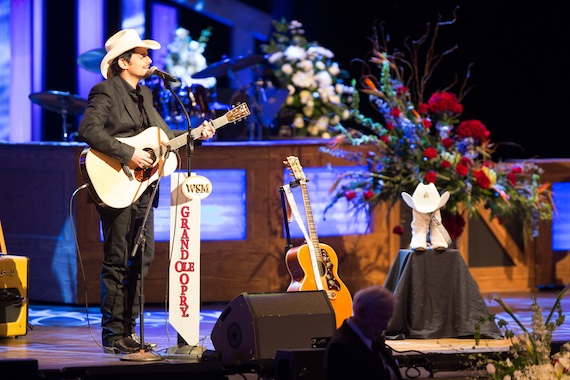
160, 160
293, 206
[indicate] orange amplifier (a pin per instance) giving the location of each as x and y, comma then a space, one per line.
14, 271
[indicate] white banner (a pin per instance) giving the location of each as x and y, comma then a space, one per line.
184, 270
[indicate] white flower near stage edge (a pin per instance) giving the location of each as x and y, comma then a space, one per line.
529, 355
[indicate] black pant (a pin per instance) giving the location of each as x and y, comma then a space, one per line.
120, 273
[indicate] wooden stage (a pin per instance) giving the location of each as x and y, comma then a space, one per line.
63, 342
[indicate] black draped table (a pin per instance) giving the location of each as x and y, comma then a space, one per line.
436, 297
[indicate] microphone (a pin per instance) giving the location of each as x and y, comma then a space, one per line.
165, 76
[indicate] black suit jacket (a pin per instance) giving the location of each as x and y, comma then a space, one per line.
347, 358
111, 113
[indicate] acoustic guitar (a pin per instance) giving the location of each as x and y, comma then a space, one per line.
314, 265
116, 185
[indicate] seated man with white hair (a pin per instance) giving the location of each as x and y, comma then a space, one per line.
357, 349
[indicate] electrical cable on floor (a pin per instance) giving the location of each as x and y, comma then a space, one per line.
71, 219
405, 362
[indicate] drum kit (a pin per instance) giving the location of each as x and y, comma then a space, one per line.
200, 102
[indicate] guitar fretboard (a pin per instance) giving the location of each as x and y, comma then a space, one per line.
310, 221
231, 116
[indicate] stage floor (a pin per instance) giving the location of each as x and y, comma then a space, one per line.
65, 341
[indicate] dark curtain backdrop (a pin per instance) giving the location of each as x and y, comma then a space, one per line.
61, 56
519, 70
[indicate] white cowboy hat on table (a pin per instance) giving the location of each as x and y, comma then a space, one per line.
121, 42
426, 198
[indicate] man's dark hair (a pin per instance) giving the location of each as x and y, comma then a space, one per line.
114, 68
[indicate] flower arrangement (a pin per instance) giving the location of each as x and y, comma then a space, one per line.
185, 57
415, 140
319, 97
530, 353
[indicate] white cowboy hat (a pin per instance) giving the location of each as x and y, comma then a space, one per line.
426, 198
121, 42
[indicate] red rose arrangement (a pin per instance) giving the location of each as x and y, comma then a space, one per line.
411, 141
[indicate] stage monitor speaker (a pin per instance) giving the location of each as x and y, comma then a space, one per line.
300, 364
21, 369
255, 325
159, 370
14, 275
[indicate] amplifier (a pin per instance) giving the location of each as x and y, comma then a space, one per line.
14, 274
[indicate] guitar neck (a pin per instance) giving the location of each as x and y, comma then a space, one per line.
310, 220
181, 140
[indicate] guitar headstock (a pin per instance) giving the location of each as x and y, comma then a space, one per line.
237, 113
294, 165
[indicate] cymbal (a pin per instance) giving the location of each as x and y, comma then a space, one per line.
223, 67
91, 59
60, 102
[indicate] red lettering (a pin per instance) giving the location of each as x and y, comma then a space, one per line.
184, 254
183, 306
184, 266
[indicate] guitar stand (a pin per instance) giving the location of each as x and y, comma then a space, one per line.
289, 245
292, 184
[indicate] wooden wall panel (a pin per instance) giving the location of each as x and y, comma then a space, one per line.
38, 181
256, 264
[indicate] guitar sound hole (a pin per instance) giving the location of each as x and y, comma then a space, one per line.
144, 174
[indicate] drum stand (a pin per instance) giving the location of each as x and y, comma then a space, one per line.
66, 136
257, 110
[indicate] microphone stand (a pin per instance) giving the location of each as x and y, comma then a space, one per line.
183, 346
142, 355
190, 141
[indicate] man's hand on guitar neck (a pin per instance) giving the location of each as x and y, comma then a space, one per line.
143, 159
207, 130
